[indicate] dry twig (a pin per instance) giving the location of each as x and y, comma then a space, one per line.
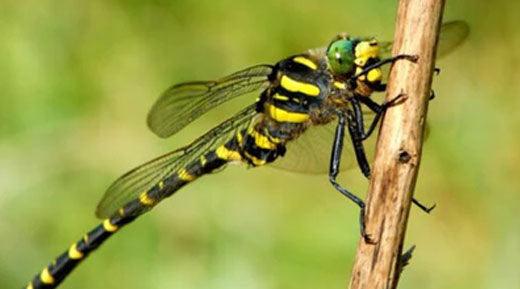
398, 152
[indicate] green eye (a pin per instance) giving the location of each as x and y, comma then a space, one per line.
341, 56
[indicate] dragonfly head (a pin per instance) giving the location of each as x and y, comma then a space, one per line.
341, 54
346, 55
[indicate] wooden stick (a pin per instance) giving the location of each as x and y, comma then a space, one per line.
398, 151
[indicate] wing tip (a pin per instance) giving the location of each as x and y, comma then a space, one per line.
99, 212
153, 126
461, 25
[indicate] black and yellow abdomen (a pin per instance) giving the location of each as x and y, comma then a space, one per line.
56, 271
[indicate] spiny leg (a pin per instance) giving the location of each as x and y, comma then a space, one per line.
432, 94
422, 206
405, 259
378, 109
382, 62
334, 170
355, 129
358, 135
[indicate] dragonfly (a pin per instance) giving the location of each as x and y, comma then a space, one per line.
306, 103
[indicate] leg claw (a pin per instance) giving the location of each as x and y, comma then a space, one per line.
423, 207
395, 100
411, 57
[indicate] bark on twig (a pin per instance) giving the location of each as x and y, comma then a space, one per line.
399, 145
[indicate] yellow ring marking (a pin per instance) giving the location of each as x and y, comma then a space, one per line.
74, 253
145, 199
109, 227
185, 176
358, 71
272, 138
261, 140
256, 161
30, 286
305, 61
161, 185
374, 75
282, 115
340, 85
226, 154
46, 277
296, 86
280, 97
239, 137
121, 211
203, 160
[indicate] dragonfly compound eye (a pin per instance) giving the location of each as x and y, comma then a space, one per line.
340, 54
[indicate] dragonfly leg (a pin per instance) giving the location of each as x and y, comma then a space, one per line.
378, 109
356, 132
423, 207
432, 94
405, 258
358, 135
379, 87
334, 170
382, 62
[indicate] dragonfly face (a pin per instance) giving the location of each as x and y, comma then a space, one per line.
349, 56
340, 55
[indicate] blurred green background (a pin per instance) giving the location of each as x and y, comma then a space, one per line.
77, 79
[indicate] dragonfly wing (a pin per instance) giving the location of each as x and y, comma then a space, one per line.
142, 178
185, 102
311, 152
452, 35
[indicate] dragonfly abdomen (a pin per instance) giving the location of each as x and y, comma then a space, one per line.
52, 275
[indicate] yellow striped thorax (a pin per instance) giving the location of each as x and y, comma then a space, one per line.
305, 61
300, 83
283, 115
293, 85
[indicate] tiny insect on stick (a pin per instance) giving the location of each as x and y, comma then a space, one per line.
398, 151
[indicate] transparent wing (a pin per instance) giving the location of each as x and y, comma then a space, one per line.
310, 153
142, 178
185, 102
452, 35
